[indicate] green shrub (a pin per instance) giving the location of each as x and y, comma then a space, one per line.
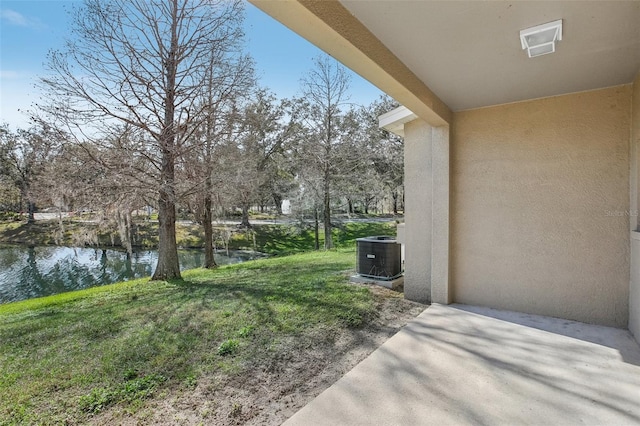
228, 347
130, 391
96, 400
245, 331
190, 382
10, 217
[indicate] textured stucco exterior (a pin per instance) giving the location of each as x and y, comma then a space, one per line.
540, 206
440, 204
426, 246
634, 285
634, 156
418, 186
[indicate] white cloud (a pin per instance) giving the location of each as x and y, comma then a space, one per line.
18, 19
9, 75
14, 17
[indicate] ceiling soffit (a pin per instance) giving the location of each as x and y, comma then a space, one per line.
469, 54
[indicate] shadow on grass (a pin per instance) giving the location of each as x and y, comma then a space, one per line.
284, 240
345, 235
175, 328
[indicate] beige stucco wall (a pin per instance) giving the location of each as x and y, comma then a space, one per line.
634, 286
539, 208
418, 190
634, 153
425, 237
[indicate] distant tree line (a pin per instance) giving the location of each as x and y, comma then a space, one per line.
154, 106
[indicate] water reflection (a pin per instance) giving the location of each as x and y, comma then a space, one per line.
28, 272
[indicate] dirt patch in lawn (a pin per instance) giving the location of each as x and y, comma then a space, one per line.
268, 394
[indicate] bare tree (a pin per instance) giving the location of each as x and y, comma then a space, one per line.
226, 83
144, 63
386, 150
24, 155
325, 89
266, 129
372, 170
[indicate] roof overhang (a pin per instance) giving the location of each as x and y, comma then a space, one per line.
435, 57
394, 120
331, 27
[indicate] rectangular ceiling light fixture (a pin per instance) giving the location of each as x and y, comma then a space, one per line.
541, 39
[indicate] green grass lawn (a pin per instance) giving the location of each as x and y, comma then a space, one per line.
65, 358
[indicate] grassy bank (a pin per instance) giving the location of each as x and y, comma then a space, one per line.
121, 351
66, 358
272, 239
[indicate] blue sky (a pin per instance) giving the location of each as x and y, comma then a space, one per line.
29, 29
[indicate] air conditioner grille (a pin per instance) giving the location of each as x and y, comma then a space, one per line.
378, 257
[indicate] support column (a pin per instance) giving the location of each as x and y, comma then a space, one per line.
440, 292
426, 213
418, 188
634, 218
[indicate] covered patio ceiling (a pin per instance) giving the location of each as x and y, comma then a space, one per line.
441, 56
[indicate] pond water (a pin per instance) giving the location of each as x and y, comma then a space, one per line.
28, 272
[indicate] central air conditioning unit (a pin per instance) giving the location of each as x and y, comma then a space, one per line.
378, 257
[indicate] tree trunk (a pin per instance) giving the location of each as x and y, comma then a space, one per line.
123, 220
245, 217
277, 200
31, 207
328, 239
209, 261
316, 232
60, 222
394, 195
168, 264
128, 265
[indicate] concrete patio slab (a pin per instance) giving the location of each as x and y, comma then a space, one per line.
460, 364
